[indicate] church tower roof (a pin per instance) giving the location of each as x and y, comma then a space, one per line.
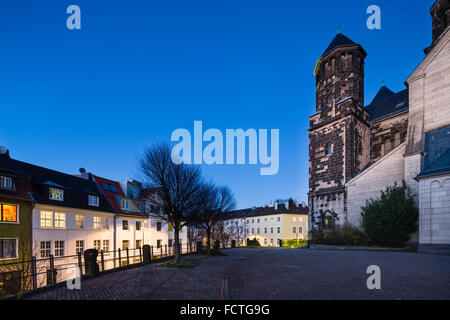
339, 41
382, 94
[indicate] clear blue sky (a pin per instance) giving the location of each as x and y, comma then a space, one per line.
137, 70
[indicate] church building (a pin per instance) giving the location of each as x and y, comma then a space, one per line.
356, 150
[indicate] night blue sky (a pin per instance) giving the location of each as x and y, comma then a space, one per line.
137, 70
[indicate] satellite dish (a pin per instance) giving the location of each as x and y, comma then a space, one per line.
3, 150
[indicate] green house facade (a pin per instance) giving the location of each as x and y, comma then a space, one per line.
15, 226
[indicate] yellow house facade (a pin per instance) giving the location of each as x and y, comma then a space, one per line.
270, 224
269, 230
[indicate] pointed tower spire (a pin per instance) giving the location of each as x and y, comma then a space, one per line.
338, 28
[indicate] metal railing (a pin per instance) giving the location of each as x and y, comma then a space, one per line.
18, 276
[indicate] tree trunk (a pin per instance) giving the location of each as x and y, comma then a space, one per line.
208, 242
177, 246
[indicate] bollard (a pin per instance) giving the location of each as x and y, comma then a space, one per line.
147, 254
91, 268
216, 247
102, 259
199, 247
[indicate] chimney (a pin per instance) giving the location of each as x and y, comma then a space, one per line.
84, 174
4, 151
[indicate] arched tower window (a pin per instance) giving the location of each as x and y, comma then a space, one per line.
328, 149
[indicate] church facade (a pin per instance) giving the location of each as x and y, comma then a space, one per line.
356, 150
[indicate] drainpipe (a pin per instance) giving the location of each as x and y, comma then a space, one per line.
115, 236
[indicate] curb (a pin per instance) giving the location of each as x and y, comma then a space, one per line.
357, 248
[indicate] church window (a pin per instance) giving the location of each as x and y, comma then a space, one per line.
329, 149
330, 100
346, 60
387, 146
397, 140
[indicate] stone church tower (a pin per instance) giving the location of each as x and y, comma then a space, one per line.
339, 130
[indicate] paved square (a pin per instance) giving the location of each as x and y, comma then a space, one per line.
275, 274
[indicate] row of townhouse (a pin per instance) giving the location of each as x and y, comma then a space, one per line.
269, 225
44, 212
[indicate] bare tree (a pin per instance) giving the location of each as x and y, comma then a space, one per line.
176, 189
216, 203
236, 228
221, 233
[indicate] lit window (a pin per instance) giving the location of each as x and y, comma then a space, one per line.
125, 225
79, 246
59, 248
105, 245
105, 223
46, 249
97, 223
294, 219
79, 221
97, 245
169, 226
6, 183
46, 219
93, 201
60, 220
8, 213
8, 248
124, 204
56, 194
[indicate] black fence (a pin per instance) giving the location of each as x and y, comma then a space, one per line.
18, 276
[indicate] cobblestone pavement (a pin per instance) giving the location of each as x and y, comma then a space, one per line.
275, 274
334, 274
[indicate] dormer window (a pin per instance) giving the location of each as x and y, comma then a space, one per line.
6, 183
56, 194
93, 201
124, 204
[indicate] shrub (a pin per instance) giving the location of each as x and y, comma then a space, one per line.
390, 220
339, 235
253, 243
294, 243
